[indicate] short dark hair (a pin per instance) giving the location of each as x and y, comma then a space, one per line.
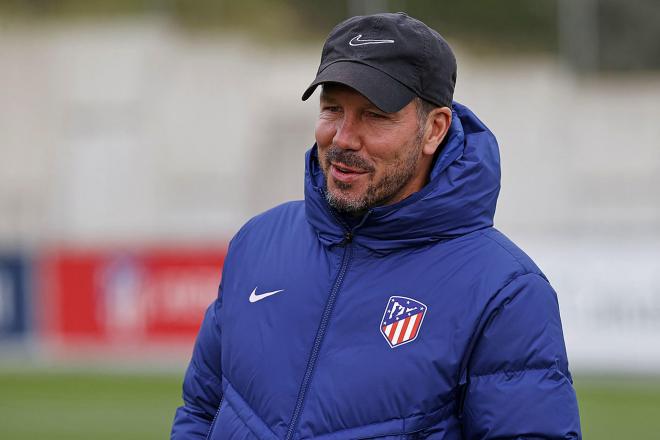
424, 108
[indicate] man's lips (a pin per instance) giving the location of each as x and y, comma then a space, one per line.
345, 173
346, 169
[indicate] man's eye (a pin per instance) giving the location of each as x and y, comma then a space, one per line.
331, 109
376, 115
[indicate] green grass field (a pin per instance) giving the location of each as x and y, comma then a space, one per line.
35, 404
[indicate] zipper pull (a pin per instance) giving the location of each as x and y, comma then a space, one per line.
348, 237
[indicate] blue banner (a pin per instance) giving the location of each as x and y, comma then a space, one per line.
13, 296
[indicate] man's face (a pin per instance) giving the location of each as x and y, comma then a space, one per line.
369, 157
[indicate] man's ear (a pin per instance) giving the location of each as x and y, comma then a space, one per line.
437, 126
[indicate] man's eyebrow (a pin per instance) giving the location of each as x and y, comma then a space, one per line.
325, 96
374, 108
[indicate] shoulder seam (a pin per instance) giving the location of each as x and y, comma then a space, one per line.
249, 223
523, 267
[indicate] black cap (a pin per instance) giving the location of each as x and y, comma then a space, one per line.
390, 59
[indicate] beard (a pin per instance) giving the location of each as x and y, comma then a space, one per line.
397, 174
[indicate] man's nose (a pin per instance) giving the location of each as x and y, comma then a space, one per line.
347, 135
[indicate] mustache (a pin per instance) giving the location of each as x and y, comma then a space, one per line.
348, 158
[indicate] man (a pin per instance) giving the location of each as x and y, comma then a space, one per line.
385, 305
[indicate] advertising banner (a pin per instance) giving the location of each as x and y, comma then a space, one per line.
609, 295
13, 297
100, 300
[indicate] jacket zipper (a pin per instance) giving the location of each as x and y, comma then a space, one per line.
320, 333
217, 413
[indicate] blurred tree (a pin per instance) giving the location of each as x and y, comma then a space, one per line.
590, 34
610, 34
512, 23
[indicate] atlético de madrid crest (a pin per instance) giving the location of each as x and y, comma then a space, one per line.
402, 320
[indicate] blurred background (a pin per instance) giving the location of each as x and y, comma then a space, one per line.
136, 137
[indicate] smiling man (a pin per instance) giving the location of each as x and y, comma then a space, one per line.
385, 305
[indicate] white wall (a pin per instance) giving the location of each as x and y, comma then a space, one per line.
134, 132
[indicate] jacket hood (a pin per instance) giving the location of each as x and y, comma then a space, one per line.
459, 198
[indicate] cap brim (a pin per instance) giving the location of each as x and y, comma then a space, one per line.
382, 90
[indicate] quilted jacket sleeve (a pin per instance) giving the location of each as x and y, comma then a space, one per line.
518, 383
202, 388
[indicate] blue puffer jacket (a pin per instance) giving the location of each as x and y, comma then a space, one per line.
422, 321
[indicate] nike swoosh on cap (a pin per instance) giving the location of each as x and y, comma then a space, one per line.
254, 297
357, 41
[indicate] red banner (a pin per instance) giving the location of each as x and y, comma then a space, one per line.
126, 300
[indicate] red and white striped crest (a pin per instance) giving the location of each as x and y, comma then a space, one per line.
402, 320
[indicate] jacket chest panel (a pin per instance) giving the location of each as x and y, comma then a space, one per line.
365, 374
363, 371
270, 311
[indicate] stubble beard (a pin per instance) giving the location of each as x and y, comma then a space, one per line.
378, 193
